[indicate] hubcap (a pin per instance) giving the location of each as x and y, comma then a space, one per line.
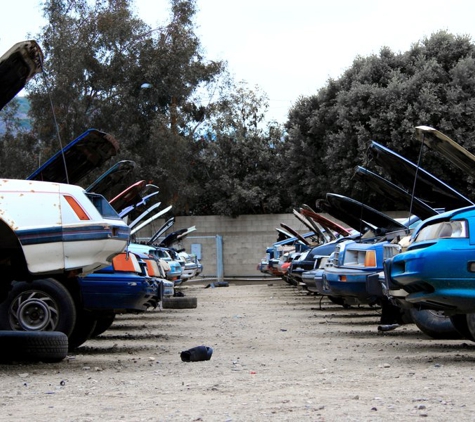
33, 311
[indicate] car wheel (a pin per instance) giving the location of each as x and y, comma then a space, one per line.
17, 346
471, 323
392, 314
83, 329
435, 324
40, 305
339, 301
460, 323
179, 302
103, 323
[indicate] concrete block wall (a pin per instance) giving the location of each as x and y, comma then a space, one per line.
245, 239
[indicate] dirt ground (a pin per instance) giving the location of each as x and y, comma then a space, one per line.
278, 355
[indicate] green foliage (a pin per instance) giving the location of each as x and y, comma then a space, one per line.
240, 162
382, 98
175, 113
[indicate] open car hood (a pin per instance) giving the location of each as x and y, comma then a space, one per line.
145, 223
450, 149
286, 237
172, 238
295, 233
161, 231
17, 66
358, 215
283, 235
176, 236
86, 153
428, 188
129, 196
324, 221
109, 181
393, 192
312, 226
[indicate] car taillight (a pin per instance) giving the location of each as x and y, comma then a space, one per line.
81, 214
126, 262
152, 268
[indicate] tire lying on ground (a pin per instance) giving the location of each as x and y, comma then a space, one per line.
177, 302
33, 346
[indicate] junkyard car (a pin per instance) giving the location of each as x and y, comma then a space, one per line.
354, 263
50, 232
130, 284
437, 269
172, 267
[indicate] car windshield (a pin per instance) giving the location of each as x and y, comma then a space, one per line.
411, 222
444, 229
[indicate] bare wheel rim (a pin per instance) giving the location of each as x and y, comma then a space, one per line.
34, 311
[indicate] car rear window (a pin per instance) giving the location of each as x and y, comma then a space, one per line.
103, 206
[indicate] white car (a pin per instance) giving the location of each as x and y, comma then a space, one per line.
51, 233
57, 228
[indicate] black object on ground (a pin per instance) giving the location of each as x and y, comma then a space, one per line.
388, 327
196, 354
217, 284
44, 346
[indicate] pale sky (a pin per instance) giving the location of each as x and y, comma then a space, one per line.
287, 48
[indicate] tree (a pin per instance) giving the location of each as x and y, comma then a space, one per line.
99, 56
239, 162
382, 98
19, 154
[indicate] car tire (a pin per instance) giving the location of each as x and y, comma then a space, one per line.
39, 305
179, 302
393, 314
435, 324
460, 323
103, 323
32, 346
471, 323
337, 300
83, 329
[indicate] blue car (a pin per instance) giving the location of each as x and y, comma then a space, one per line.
438, 268
125, 286
355, 264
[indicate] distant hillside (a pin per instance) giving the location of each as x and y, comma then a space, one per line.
22, 114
